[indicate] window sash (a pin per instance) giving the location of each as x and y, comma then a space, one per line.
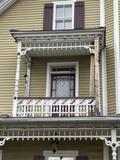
63, 19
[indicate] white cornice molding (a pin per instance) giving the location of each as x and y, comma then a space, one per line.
5, 4
104, 69
117, 53
102, 13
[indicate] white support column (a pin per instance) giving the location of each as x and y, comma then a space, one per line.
114, 147
97, 74
92, 76
105, 151
113, 143
0, 154
117, 53
103, 55
104, 83
17, 79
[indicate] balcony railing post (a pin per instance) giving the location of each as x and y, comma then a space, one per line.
42, 108
14, 107
60, 109
69, 107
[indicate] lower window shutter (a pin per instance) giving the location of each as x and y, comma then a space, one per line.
48, 17
79, 15
81, 158
38, 157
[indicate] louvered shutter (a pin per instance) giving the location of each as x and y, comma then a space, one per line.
81, 158
38, 157
79, 15
48, 17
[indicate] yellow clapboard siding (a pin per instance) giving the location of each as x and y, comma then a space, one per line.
92, 13
110, 56
26, 15
39, 72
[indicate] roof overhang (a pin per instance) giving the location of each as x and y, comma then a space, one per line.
59, 43
61, 128
58, 122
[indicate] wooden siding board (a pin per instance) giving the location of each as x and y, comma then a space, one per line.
110, 56
39, 72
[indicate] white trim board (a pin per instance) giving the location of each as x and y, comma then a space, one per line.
102, 13
103, 58
48, 79
117, 53
104, 84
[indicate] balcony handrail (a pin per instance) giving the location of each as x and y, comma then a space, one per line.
86, 97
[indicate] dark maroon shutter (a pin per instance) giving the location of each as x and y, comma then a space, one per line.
38, 157
81, 158
48, 17
79, 15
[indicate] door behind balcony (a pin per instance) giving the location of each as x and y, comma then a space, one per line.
63, 85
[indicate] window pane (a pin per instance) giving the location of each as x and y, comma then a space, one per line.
59, 24
68, 11
59, 11
68, 24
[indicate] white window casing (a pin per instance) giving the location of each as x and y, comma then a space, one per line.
48, 79
63, 3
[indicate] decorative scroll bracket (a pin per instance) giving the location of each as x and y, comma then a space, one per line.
113, 143
2, 142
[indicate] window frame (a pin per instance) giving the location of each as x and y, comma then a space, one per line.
55, 4
48, 76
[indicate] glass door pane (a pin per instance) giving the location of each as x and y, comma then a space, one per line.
63, 85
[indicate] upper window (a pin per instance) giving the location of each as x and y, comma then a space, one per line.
63, 16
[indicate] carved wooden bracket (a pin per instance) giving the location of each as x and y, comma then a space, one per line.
2, 142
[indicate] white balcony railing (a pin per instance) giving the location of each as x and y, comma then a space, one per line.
55, 107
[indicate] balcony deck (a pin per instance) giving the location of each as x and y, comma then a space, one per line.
56, 107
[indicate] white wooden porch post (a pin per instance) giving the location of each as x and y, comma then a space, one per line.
92, 76
97, 76
17, 79
114, 147
113, 143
